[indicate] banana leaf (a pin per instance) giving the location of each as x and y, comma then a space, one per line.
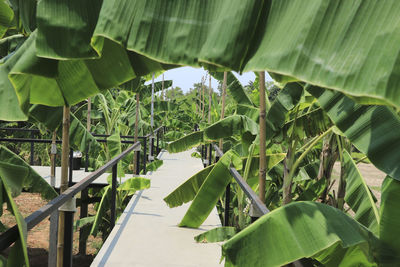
209, 193
188, 190
232, 125
234, 87
6, 17
295, 231
389, 230
186, 142
218, 234
358, 196
134, 184
101, 210
372, 129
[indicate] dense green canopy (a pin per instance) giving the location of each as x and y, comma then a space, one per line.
82, 47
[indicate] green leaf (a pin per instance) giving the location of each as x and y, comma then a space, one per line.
372, 129
154, 165
6, 17
188, 190
216, 235
83, 222
358, 196
234, 87
230, 126
210, 191
101, 210
186, 142
286, 100
389, 252
21, 175
297, 230
134, 184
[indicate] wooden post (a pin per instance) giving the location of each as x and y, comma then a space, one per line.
203, 81
52, 258
64, 182
262, 166
152, 103
223, 105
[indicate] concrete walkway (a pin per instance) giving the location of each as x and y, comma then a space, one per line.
147, 233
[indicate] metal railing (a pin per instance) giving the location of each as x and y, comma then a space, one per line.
257, 205
66, 200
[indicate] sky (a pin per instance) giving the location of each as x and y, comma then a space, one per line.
185, 77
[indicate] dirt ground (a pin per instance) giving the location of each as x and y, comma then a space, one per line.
372, 176
38, 237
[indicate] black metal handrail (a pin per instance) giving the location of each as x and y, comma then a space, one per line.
257, 204
12, 234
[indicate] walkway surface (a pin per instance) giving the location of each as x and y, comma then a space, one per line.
147, 233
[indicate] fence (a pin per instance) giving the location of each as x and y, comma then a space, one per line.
65, 201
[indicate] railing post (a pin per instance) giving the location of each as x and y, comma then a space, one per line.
71, 154
227, 204
32, 149
87, 158
209, 154
113, 195
83, 231
144, 155
137, 162
158, 140
69, 209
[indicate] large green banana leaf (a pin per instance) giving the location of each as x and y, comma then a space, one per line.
295, 231
186, 142
234, 87
218, 234
16, 175
188, 190
358, 196
210, 191
372, 129
326, 43
6, 17
389, 230
25, 14
286, 100
232, 125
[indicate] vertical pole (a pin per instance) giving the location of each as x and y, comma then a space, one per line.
52, 259
209, 99
53, 154
152, 103
162, 88
88, 128
203, 81
68, 238
137, 153
144, 156
158, 141
32, 149
83, 231
71, 167
64, 183
113, 195
262, 166
209, 154
136, 160
223, 104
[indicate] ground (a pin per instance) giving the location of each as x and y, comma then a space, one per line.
38, 237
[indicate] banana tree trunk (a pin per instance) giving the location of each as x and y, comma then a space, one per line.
262, 166
223, 105
64, 182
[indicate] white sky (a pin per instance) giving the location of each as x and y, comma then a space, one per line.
185, 77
